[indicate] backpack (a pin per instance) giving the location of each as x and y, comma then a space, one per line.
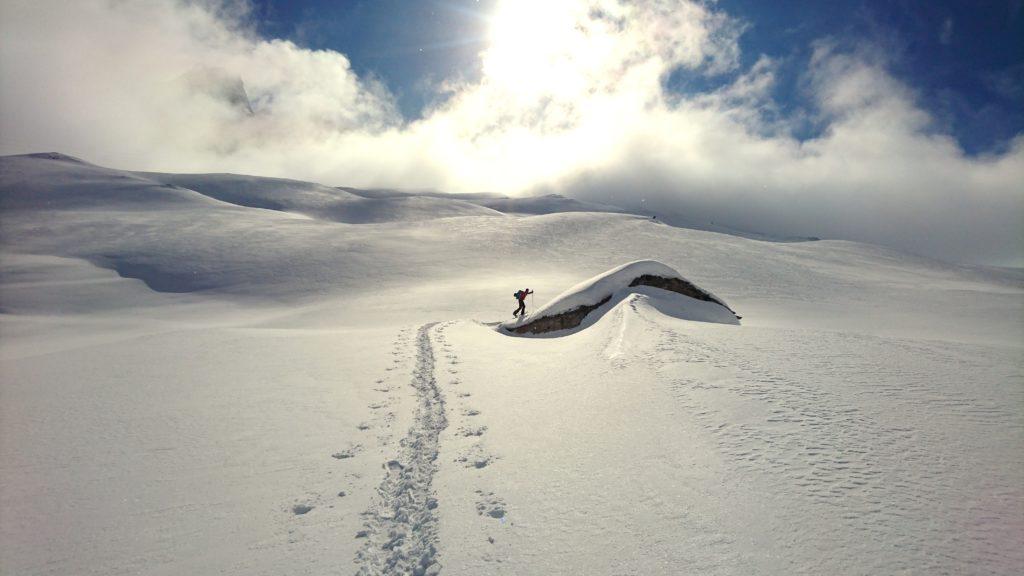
516, 295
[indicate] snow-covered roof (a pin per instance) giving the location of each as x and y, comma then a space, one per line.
601, 287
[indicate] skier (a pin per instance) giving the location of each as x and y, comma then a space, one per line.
521, 296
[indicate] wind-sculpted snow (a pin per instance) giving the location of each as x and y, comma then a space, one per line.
211, 233
876, 435
55, 182
321, 202
218, 381
225, 233
588, 300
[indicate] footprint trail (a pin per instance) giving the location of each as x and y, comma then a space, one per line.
401, 530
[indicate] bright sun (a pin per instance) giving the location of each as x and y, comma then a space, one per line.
541, 48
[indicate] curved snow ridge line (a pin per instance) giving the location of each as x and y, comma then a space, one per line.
628, 275
401, 531
571, 310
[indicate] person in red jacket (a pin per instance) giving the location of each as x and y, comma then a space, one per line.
521, 296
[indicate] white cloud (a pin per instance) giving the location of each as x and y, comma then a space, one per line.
571, 99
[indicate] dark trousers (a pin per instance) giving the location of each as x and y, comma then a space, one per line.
522, 308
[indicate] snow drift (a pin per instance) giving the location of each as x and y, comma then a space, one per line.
669, 291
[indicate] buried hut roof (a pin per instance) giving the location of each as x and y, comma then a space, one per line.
591, 298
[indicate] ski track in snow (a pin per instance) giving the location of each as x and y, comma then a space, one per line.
401, 530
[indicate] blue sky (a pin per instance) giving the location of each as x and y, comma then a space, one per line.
964, 60
408, 44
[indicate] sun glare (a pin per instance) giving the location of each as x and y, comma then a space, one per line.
542, 48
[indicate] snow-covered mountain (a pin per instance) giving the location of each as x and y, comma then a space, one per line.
241, 375
218, 84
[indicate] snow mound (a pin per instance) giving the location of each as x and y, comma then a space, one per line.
588, 300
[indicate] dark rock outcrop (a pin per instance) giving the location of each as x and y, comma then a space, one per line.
679, 286
563, 321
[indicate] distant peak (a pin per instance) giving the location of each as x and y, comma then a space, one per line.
218, 84
52, 156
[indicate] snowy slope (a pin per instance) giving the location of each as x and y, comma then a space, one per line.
652, 445
192, 378
318, 201
546, 204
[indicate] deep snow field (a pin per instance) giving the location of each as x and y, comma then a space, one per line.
233, 375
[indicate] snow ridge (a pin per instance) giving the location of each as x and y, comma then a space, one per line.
402, 532
661, 283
